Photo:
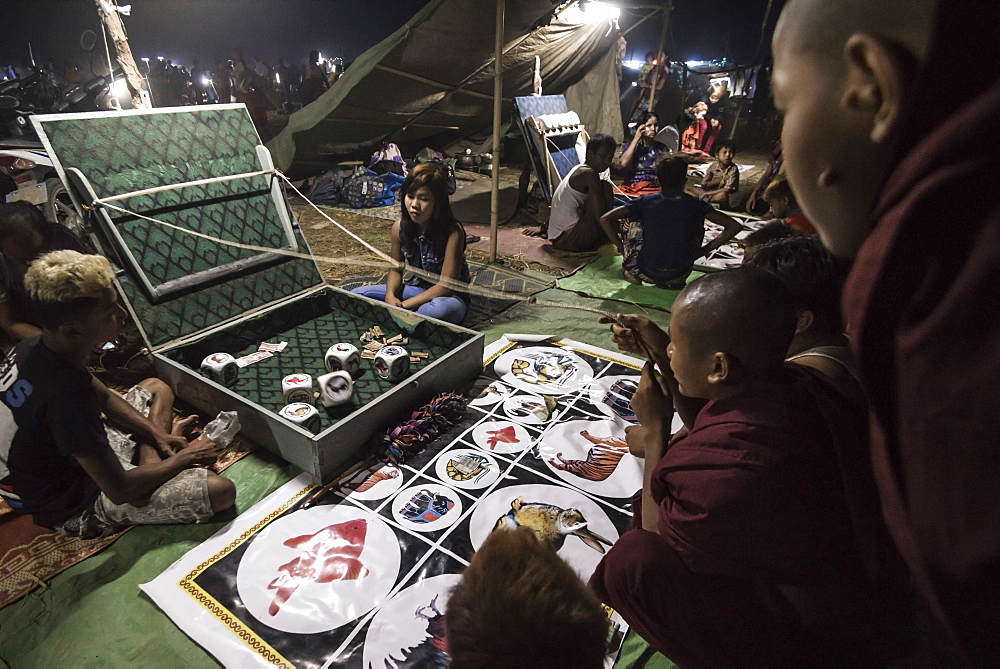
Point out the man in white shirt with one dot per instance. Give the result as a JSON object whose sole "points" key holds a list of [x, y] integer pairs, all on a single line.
{"points": [[580, 200]]}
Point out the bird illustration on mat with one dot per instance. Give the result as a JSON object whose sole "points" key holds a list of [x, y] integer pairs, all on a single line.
{"points": [[550, 523], [331, 554]]}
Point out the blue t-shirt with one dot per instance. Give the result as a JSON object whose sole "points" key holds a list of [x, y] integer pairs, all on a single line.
{"points": [[58, 415], [673, 229]]}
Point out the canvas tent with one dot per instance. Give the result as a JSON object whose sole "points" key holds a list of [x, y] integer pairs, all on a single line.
{"points": [[431, 82]]}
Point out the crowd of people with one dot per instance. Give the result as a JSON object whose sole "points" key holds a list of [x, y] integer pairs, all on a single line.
{"points": [[831, 498]]}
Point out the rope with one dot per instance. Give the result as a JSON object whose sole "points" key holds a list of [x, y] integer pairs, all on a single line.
{"points": [[386, 260]]}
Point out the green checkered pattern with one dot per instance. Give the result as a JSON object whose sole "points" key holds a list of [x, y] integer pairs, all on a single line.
{"points": [[310, 326], [123, 153]]}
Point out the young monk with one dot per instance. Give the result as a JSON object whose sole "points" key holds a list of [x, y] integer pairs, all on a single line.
{"points": [[68, 474], [885, 147], [809, 273], [520, 605], [757, 535]]}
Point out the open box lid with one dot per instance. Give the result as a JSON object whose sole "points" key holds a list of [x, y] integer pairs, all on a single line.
{"points": [[177, 284]]}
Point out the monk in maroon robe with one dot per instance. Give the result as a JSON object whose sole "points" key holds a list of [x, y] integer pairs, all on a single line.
{"points": [[758, 538], [889, 143]]}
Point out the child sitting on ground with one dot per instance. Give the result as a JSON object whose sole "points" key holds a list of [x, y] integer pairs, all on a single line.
{"points": [[781, 199], [71, 474], [667, 230], [520, 605], [723, 176], [757, 537], [428, 237]]}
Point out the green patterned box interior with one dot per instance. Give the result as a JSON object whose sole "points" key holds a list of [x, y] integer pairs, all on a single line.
{"points": [[311, 325], [121, 153]]}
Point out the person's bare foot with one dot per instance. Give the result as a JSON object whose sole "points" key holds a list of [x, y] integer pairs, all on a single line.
{"points": [[628, 276], [533, 232]]}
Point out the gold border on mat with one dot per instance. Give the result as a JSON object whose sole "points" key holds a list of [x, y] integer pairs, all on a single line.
{"points": [[222, 614]]}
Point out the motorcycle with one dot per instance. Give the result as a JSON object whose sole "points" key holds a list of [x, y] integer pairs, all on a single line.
{"points": [[26, 171]]}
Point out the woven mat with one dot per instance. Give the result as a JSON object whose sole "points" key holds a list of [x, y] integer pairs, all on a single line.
{"points": [[481, 309], [30, 555]]}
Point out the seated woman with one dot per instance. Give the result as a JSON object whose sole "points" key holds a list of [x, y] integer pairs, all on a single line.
{"points": [[429, 238], [638, 160]]}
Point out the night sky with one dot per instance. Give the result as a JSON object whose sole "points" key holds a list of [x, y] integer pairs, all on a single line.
{"points": [[288, 29]]}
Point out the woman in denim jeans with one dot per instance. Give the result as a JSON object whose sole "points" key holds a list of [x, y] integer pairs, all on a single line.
{"points": [[428, 237]]}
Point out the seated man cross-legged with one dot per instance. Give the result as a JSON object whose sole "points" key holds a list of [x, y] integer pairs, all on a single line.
{"points": [[757, 537], [73, 474], [580, 200]]}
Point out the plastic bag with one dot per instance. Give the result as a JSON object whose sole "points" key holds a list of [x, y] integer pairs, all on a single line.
{"points": [[222, 429], [367, 189], [327, 188]]}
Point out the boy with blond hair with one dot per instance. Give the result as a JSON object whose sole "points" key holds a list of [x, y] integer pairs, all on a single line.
{"points": [[71, 473]]}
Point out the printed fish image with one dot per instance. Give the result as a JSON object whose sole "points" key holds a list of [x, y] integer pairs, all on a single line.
{"points": [[369, 482], [602, 458], [426, 507], [507, 436], [550, 523], [331, 554]]}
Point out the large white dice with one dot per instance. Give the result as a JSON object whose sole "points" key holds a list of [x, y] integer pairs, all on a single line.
{"points": [[392, 362], [221, 368], [303, 414], [344, 357], [297, 388], [336, 388]]}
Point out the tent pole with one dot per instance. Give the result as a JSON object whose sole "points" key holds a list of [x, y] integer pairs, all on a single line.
{"points": [[497, 111], [115, 27], [668, 7]]}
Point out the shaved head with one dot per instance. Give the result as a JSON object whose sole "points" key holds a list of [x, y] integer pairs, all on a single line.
{"points": [[823, 26], [745, 313], [843, 74]]}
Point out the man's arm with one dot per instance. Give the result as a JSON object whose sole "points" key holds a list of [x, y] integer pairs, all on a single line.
{"points": [[610, 229], [654, 410], [128, 486], [732, 228]]}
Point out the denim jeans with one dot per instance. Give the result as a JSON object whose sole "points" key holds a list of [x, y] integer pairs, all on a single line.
{"points": [[450, 309]]}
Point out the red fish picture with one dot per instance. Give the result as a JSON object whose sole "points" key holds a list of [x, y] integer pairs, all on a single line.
{"points": [[331, 554], [506, 436]]}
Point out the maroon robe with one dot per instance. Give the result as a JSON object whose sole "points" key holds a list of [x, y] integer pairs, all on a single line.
{"points": [[922, 302], [763, 504]]}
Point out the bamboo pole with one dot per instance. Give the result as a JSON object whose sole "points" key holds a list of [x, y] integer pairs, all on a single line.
{"points": [[668, 7], [113, 23], [497, 111]]}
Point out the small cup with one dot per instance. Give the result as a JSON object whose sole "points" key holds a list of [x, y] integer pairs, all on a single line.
{"points": [[297, 388], [302, 414], [392, 362], [344, 357], [336, 388], [221, 368]]}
